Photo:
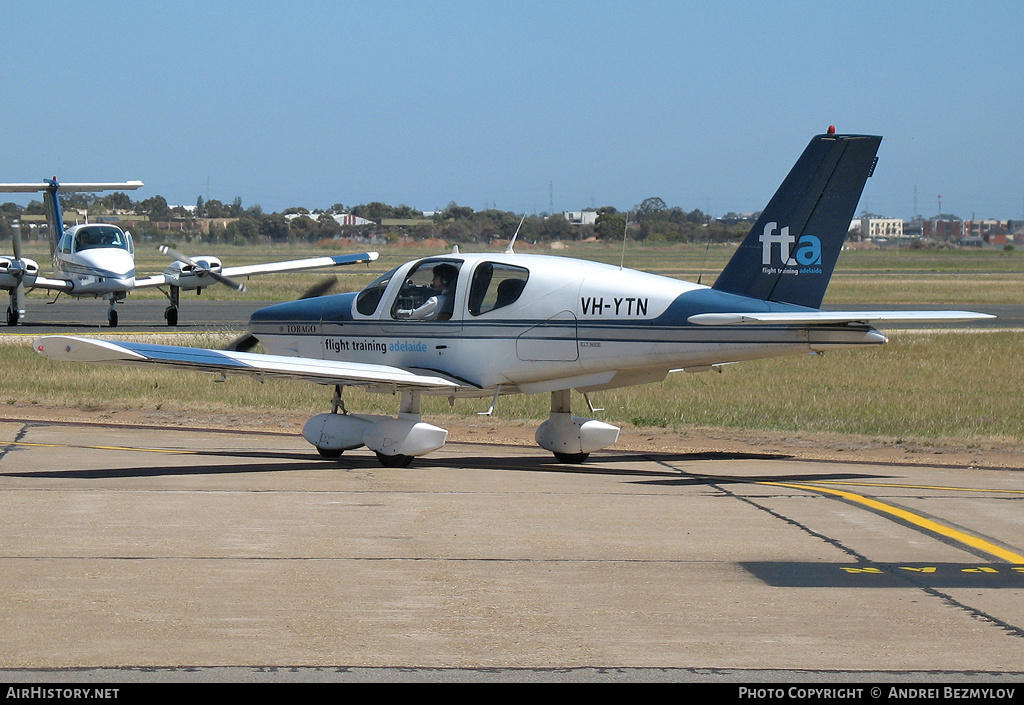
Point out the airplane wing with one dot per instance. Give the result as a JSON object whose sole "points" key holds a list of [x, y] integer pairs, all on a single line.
{"points": [[295, 265], [70, 348], [810, 318], [52, 284]]}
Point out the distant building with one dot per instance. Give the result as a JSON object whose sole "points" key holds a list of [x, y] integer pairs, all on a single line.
{"points": [[874, 228], [942, 229], [580, 217], [349, 219], [992, 232], [340, 218]]}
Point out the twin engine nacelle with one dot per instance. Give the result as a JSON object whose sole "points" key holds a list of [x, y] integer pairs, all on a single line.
{"points": [[193, 275], [14, 271], [402, 436]]}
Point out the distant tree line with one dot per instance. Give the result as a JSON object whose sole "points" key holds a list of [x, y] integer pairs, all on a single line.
{"points": [[212, 220]]}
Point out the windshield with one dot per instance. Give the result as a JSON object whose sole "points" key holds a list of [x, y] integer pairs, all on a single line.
{"points": [[93, 236], [366, 302]]}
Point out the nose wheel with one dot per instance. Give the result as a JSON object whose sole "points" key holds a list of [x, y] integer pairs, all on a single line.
{"points": [[112, 311], [171, 312], [14, 309]]}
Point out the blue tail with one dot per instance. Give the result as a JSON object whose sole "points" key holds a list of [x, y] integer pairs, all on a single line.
{"points": [[790, 253], [54, 214]]}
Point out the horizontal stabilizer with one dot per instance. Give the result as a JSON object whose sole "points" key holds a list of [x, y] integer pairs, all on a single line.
{"points": [[70, 348], [67, 188], [811, 318]]}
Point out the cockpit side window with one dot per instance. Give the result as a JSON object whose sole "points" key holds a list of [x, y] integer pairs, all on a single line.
{"points": [[368, 298], [428, 293], [496, 286]]}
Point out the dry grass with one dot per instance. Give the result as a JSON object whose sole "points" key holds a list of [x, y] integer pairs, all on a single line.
{"points": [[949, 385], [932, 385], [868, 276]]}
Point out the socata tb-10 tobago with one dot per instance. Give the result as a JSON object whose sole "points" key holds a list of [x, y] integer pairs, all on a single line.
{"points": [[482, 325]]}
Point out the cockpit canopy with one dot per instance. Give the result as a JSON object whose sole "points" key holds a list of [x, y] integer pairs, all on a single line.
{"points": [[88, 237], [492, 285]]}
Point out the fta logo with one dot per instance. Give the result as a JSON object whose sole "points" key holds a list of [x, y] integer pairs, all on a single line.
{"points": [[808, 247]]}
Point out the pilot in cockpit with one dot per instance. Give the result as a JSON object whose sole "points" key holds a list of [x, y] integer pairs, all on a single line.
{"points": [[438, 307]]}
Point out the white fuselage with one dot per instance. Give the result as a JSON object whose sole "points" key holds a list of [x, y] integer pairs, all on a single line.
{"points": [[575, 324], [97, 260]]}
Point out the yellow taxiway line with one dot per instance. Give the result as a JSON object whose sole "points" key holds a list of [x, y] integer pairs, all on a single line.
{"points": [[915, 519]]}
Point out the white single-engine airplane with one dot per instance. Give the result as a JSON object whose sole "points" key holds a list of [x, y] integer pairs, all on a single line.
{"points": [[508, 323], [97, 260]]}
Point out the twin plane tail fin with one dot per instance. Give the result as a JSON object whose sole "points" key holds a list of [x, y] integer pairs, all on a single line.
{"points": [[790, 253], [51, 198], [54, 214]]}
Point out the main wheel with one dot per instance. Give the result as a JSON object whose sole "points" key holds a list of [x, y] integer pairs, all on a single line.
{"points": [[394, 461], [171, 316], [329, 452], [12, 317], [571, 458]]}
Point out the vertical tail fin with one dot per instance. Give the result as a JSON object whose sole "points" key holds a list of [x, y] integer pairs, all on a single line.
{"points": [[51, 199], [54, 214], [790, 253]]}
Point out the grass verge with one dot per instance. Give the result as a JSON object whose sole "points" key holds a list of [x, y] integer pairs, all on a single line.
{"points": [[957, 386]]}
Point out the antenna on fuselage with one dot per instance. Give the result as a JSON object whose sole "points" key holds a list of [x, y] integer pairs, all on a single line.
{"points": [[508, 250], [625, 228], [707, 249]]}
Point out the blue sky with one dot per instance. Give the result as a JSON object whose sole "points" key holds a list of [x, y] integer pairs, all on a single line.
{"points": [[516, 105]]}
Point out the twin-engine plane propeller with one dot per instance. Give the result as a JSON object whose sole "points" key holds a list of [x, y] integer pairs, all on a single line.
{"points": [[484, 325], [97, 260]]}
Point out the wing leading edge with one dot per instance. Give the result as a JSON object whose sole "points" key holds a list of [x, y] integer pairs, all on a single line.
{"points": [[70, 348]]}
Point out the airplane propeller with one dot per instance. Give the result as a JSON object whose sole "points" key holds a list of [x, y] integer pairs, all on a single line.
{"points": [[321, 288], [201, 268], [18, 270], [248, 341]]}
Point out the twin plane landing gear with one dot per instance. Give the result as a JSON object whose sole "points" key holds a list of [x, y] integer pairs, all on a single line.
{"points": [[171, 312], [112, 312], [14, 310]]}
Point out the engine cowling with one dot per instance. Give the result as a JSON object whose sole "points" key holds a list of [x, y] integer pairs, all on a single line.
{"points": [[14, 272], [194, 276]]}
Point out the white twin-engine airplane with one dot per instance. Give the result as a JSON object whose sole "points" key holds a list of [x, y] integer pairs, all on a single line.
{"points": [[483, 325], [97, 260]]}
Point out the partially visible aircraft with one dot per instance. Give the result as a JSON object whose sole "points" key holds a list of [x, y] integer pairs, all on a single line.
{"points": [[97, 260], [518, 323]]}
